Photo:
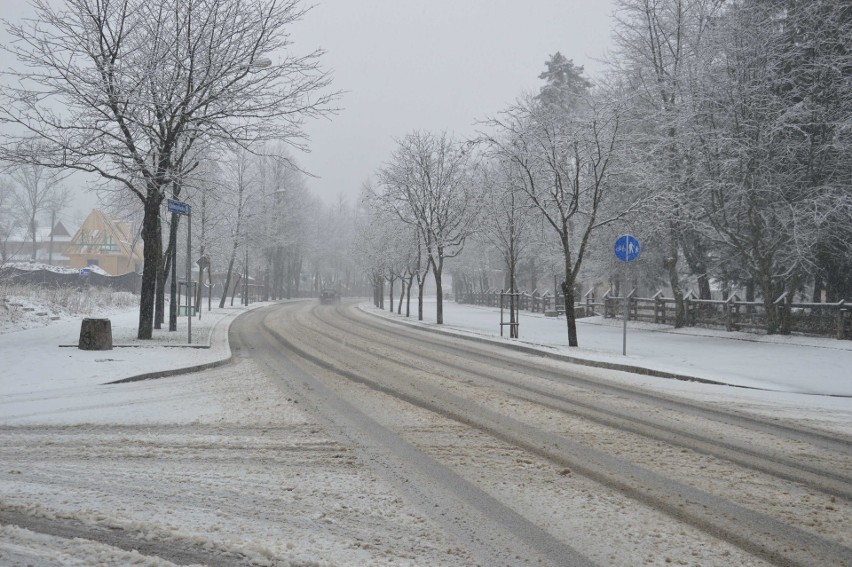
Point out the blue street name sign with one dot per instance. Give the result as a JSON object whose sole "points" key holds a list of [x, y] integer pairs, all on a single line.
{"points": [[627, 248], [178, 207]]}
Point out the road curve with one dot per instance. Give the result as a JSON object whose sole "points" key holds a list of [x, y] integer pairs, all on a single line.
{"points": [[530, 461]]}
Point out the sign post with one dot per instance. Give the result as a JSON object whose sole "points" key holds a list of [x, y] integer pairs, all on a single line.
{"points": [[627, 249], [184, 209]]}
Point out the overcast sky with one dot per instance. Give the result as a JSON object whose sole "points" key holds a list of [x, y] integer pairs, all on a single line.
{"points": [[432, 65], [424, 64]]}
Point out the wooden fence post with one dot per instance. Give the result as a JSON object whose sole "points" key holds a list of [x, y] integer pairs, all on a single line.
{"points": [[732, 311], [659, 308], [783, 313], [691, 315]]}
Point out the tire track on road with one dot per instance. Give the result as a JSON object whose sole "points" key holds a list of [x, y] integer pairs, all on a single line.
{"points": [[754, 532]]}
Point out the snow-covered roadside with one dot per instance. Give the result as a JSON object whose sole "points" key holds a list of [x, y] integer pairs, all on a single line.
{"points": [[39, 372], [24, 308], [208, 461], [795, 364], [775, 376], [236, 473], [24, 547]]}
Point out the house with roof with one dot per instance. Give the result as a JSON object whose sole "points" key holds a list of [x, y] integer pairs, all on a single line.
{"points": [[107, 243], [49, 245]]}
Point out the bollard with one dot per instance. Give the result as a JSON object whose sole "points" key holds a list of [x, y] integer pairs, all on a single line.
{"points": [[95, 334]]}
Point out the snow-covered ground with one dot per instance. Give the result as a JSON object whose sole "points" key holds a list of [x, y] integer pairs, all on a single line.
{"points": [[39, 359], [249, 476], [46, 379], [32, 266], [797, 364], [233, 459]]}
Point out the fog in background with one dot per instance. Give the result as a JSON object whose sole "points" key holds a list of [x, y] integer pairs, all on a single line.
{"points": [[406, 65], [441, 64]]}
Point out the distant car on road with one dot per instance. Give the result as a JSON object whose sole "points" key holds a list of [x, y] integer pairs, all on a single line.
{"points": [[329, 296]]}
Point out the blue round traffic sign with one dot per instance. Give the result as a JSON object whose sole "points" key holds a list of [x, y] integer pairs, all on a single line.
{"points": [[627, 248]]}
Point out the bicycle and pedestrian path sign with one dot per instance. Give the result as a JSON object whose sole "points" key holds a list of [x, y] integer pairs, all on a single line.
{"points": [[627, 248]]}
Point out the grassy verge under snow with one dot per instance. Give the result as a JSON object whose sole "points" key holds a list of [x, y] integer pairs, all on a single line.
{"points": [[27, 306]]}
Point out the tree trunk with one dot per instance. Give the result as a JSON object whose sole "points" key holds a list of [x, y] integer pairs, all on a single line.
{"points": [[513, 303], [160, 296], [390, 281], [420, 299], [437, 269], [768, 292], [291, 268], [408, 296], [209, 285], [171, 257], [401, 294], [570, 318], [200, 279], [533, 275], [787, 315], [439, 311], [674, 280], [33, 233], [165, 267], [297, 273], [696, 259], [227, 280], [152, 252], [173, 307], [374, 282], [818, 287], [236, 287]]}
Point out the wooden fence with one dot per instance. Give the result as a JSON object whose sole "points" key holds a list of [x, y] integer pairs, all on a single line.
{"points": [[733, 314], [546, 302], [130, 282]]}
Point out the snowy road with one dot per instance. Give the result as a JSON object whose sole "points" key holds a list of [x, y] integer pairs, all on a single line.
{"points": [[521, 446], [336, 438]]}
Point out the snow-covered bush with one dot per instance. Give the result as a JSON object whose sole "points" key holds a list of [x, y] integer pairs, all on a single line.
{"points": [[26, 306]]}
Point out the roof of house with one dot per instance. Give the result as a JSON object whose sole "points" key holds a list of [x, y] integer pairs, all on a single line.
{"points": [[43, 233], [102, 235], [59, 230]]}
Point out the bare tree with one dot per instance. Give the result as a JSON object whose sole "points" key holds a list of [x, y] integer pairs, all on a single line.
{"points": [[9, 217], [564, 157], [141, 82], [38, 191], [243, 200], [60, 201], [372, 232], [505, 220], [206, 185], [282, 217], [661, 49], [330, 234], [427, 185], [775, 178]]}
